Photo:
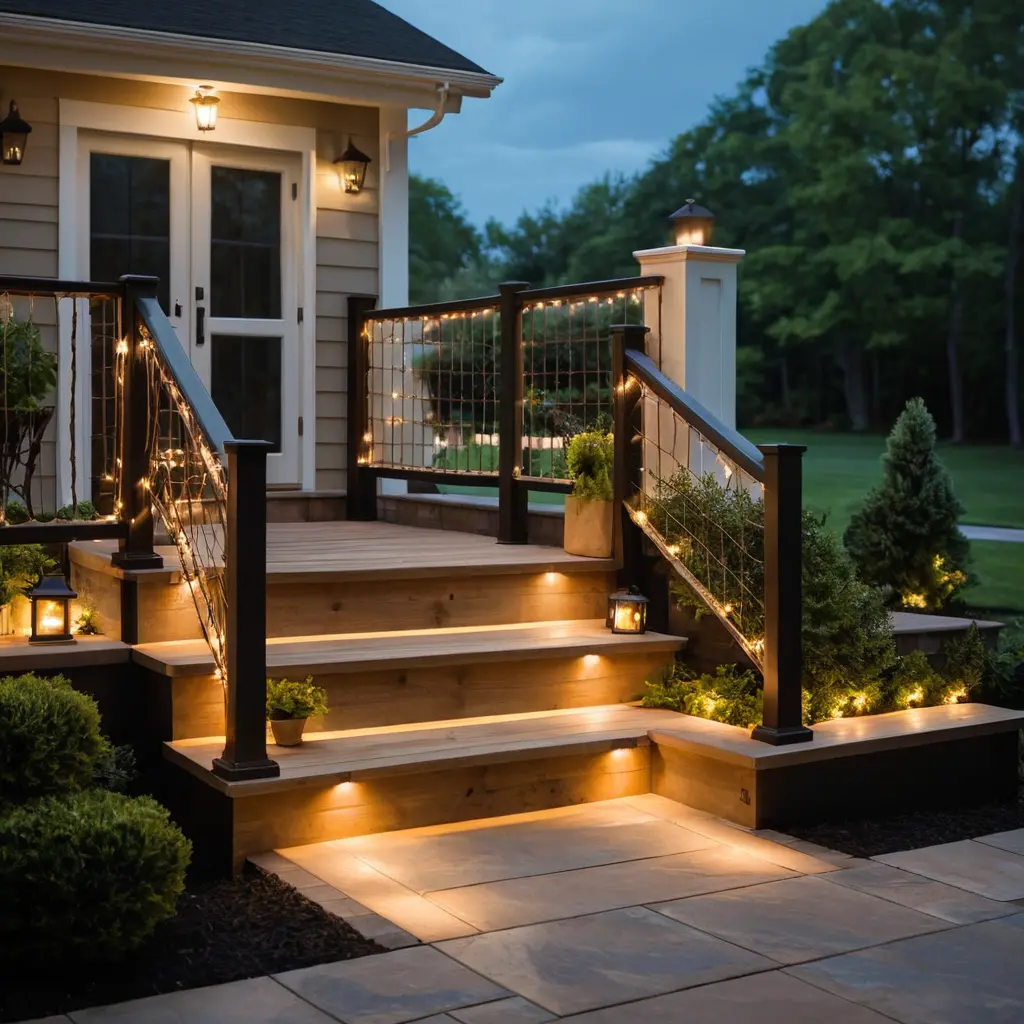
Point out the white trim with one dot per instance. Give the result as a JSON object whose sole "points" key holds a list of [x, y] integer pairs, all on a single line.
{"points": [[394, 209], [307, 329], [681, 253], [107, 49]]}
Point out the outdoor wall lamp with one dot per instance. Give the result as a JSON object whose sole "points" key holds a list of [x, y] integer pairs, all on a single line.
{"points": [[352, 166], [627, 611], [13, 137], [205, 104], [51, 611], [693, 224]]}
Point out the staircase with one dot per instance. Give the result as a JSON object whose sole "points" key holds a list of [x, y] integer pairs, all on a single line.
{"points": [[464, 678]]}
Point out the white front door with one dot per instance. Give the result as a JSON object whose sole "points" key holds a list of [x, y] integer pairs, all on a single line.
{"points": [[219, 226]]}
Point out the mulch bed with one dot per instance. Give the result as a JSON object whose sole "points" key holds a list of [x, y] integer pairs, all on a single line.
{"points": [[872, 837], [225, 930]]}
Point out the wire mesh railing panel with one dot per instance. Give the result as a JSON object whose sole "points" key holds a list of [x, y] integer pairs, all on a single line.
{"points": [[188, 485], [567, 362], [706, 515], [106, 331], [434, 391]]}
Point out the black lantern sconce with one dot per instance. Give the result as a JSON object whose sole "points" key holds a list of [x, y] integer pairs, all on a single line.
{"points": [[627, 612], [352, 166], [692, 224], [13, 137], [51, 611]]}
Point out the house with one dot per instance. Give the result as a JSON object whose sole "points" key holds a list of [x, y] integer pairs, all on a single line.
{"points": [[249, 224]]}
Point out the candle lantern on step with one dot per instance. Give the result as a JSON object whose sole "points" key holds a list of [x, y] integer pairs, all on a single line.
{"points": [[51, 611], [627, 611]]}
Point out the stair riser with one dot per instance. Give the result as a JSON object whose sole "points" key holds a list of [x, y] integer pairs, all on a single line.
{"points": [[395, 697]]}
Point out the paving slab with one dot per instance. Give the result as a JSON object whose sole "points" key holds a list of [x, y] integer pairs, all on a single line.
{"points": [[256, 1001], [920, 893], [769, 998], [968, 975], [1012, 841], [598, 960], [799, 919], [976, 867], [391, 988], [591, 890], [505, 1011], [475, 856]]}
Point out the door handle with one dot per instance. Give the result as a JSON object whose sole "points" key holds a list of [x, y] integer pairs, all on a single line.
{"points": [[200, 325]]}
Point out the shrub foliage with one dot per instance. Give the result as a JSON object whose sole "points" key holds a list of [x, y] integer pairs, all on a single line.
{"points": [[87, 875], [905, 537], [589, 461]]}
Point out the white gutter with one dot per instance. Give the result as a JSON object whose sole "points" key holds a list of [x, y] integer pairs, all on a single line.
{"points": [[140, 53], [431, 122]]}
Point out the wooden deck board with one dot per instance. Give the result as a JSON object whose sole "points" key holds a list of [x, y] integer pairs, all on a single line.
{"points": [[373, 753], [18, 655], [362, 652]]}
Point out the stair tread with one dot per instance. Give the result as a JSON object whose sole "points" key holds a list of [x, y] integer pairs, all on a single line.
{"points": [[357, 754], [399, 648]]}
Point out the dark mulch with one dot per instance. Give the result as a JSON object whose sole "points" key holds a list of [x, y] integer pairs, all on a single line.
{"points": [[871, 837], [224, 931]]}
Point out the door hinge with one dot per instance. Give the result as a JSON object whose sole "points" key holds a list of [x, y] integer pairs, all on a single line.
{"points": [[295, 190], [300, 426], [301, 314]]}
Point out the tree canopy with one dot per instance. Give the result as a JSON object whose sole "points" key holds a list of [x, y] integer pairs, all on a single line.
{"points": [[872, 167]]}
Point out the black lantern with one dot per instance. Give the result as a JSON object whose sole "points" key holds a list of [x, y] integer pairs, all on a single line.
{"points": [[627, 612], [13, 137], [693, 224], [352, 166], [51, 611]]}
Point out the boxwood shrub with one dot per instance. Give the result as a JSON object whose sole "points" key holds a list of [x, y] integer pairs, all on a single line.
{"points": [[50, 740], [88, 875]]}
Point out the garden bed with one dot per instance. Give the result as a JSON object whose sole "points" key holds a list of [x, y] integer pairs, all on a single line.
{"points": [[224, 930], [872, 837]]}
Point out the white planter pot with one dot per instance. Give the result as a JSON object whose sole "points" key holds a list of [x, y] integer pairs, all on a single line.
{"points": [[588, 527]]}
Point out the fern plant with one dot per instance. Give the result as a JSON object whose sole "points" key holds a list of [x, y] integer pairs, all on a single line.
{"points": [[289, 698], [589, 461]]}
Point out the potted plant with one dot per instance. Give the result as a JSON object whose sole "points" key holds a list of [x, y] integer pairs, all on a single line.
{"points": [[289, 704], [21, 568], [588, 510]]}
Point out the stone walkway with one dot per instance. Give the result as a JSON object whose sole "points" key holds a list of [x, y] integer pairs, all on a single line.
{"points": [[639, 911]]}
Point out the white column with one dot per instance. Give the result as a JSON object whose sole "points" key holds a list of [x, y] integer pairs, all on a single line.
{"points": [[693, 339]]}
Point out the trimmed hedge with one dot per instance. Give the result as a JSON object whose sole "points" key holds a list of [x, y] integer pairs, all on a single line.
{"points": [[50, 740], [87, 875]]}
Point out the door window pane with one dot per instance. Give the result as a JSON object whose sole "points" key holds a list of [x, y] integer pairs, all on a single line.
{"points": [[246, 386], [130, 219], [245, 243]]}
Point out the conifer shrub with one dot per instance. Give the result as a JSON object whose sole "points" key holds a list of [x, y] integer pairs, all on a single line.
{"points": [[905, 538]]}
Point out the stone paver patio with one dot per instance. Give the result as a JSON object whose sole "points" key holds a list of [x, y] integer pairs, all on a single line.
{"points": [[638, 910]]}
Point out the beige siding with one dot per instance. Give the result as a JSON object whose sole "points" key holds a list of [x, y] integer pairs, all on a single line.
{"points": [[347, 250]]}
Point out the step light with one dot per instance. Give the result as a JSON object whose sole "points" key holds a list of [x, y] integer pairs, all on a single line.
{"points": [[627, 612], [51, 611]]}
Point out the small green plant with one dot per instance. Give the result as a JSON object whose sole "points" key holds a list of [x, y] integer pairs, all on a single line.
{"points": [[28, 373], [905, 537], [88, 623], [21, 567], [50, 740], [589, 462], [288, 698], [83, 510], [731, 695], [87, 876]]}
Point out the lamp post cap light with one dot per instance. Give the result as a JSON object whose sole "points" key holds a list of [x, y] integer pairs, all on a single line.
{"points": [[692, 224]]}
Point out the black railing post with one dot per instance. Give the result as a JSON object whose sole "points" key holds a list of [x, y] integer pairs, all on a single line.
{"points": [[627, 474], [361, 484], [782, 720], [134, 506], [245, 640], [512, 495]]}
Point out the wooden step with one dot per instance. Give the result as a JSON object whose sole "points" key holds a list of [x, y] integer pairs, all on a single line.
{"points": [[357, 577], [401, 676], [339, 784]]}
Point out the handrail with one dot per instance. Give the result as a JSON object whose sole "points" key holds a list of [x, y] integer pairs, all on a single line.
{"points": [[24, 285], [180, 367], [434, 308], [569, 291], [730, 442]]}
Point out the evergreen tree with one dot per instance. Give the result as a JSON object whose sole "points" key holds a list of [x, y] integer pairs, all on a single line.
{"points": [[905, 537]]}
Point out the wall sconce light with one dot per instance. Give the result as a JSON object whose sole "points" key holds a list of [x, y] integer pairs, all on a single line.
{"points": [[627, 612], [692, 224], [205, 104], [352, 166], [13, 137], [51, 611]]}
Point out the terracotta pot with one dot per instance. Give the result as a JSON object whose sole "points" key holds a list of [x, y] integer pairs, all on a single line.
{"points": [[588, 527], [287, 731]]}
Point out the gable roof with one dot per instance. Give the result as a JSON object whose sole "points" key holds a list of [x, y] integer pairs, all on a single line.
{"points": [[359, 28]]}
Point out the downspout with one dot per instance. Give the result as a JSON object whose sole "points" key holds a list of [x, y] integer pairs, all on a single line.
{"points": [[432, 122]]}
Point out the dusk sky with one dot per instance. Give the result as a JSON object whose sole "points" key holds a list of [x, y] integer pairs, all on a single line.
{"points": [[590, 86]]}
